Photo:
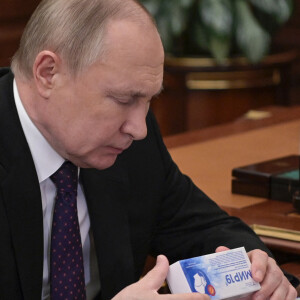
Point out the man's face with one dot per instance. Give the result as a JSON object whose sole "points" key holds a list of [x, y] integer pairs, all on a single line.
{"points": [[93, 118]]}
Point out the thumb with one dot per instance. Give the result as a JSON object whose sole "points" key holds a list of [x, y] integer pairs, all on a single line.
{"points": [[222, 248], [155, 278]]}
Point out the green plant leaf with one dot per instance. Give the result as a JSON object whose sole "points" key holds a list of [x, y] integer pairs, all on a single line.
{"points": [[215, 26], [217, 15], [152, 6], [251, 38], [177, 18], [219, 47], [280, 9], [185, 3], [200, 37]]}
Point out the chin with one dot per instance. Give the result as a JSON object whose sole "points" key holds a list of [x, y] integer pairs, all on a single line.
{"points": [[98, 163]]}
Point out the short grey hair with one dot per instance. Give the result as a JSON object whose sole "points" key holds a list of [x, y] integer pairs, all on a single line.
{"points": [[74, 29]]}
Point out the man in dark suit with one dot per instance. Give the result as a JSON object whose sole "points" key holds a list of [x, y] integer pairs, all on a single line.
{"points": [[79, 96]]}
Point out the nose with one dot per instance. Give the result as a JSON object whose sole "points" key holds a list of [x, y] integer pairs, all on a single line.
{"points": [[135, 125]]}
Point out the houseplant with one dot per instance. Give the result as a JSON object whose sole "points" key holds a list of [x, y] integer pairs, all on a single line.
{"points": [[220, 28]]}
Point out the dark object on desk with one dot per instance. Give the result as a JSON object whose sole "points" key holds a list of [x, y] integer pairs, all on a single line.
{"points": [[276, 179], [296, 200]]}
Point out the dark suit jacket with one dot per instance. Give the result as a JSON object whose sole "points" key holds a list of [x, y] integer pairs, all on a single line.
{"points": [[141, 205]]}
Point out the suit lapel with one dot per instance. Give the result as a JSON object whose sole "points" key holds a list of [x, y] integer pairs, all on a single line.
{"points": [[24, 210], [107, 192], [21, 196]]}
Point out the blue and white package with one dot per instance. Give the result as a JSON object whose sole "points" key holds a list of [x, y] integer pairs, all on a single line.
{"points": [[222, 275]]}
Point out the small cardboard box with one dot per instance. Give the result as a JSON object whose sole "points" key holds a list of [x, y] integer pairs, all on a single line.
{"points": [[222, 275]]}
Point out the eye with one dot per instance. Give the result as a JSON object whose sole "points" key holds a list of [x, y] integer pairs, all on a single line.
{"points": [[121, 100]]}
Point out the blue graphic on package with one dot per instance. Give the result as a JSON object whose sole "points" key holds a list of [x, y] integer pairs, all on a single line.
{"points": [[197, 278]]}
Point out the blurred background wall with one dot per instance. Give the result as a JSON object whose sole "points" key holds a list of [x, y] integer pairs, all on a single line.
{"points": [[289, 38], [14, 14]]}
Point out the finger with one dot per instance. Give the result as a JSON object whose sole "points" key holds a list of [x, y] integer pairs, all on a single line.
{"points": [[190, 296], [273, 280], [222, 248], [155, 278], [281, 291], [284, 291], [259, 263], [292, 293]]}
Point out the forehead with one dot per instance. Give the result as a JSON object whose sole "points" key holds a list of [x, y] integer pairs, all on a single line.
{"points": [[139, 43], [132, 62]]}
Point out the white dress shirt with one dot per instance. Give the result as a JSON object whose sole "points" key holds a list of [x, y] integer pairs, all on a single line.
{"points": [[47, 161]]}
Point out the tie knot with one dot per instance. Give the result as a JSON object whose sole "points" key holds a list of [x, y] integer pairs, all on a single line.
{"points": [[66, 178]]}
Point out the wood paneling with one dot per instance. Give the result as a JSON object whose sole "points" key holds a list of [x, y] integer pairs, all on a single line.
{"points": [[288, 37], [198, 93], [14, 14]]}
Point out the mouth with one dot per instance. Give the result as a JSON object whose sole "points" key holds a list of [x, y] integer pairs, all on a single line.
{"points": [[114, 150], [117, 150]]}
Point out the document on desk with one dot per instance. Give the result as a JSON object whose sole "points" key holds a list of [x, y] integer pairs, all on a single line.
{"points": [[275, 232]]}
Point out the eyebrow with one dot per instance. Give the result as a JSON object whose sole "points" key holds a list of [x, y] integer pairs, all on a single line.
{"points": [[135, 94]]}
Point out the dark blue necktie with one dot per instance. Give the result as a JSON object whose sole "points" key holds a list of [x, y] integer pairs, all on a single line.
{"points": [[66, 259]]}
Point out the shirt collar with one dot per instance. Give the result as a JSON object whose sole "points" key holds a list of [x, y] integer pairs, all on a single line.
{"points": [[45, 158]]}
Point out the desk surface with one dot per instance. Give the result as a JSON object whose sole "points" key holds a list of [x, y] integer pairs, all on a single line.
{"points": [[209, 164], [278, 115]]}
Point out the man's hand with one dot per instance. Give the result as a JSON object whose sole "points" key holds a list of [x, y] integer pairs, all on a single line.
{"points": [[146, 288], [274, 285]]}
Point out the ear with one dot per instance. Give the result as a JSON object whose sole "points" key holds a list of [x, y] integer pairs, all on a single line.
{"points": [[45, 68]]}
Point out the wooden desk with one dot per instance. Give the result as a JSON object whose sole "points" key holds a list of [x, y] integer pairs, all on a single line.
{"points": [[277, 115], [208, 159]]}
